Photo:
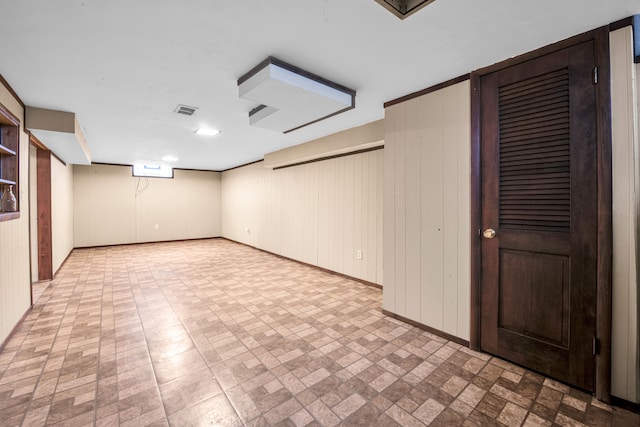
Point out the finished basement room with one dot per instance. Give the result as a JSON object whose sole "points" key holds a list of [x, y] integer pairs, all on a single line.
{"points": [[319, 213]]}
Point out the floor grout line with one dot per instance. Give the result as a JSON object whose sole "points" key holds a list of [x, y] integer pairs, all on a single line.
{"points": [[275, 341]]}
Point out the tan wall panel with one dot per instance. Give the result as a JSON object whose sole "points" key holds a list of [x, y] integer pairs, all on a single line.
{"points": [[394, 131], [15, 280], [624, 369], [313, 213], [350, 140], [61, 212], [426, 209], [113, 207]]}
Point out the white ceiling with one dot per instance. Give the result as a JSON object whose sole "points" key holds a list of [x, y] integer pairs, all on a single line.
{"points": [[123, 65]]}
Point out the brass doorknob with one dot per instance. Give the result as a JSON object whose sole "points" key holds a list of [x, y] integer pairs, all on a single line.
{"points": [[489, 233]]}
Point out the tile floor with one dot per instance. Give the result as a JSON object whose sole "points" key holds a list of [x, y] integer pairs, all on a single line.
{"points": [[214, 333]]}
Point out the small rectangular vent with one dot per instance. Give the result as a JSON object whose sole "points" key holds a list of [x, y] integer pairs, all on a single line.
{"points": [[185, 109]]}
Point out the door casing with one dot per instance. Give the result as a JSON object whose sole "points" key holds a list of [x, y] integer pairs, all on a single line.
{"points": [[604, 198]]}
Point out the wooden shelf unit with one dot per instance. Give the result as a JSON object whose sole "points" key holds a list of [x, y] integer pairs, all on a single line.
{"points": [[6, 151], [9, 157]]}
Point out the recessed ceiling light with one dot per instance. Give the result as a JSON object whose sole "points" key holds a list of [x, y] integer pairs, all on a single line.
{"points": [[207, 131], [169, 158]]}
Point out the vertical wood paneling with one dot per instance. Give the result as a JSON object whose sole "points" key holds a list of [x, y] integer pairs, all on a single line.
{"points": [[360, 221], [103, 191], [451, 176], [400, 219], [324, 217], [431, 164], [462, 126], [15, 281], [112, 207], [394, 129], [413, 225], [314, 213], [426, 208], [378, 206], [624, 110], [341, 190], [61, 212]]}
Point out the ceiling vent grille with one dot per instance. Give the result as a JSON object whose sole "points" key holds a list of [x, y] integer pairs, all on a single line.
{"points": [[403, 8], [185, 109]]}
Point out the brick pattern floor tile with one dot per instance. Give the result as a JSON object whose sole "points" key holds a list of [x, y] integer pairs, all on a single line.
{"points": [[210, 332]]}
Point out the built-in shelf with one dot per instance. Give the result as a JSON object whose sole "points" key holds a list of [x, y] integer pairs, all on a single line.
{"points": [[9, 163], [7, 150]]}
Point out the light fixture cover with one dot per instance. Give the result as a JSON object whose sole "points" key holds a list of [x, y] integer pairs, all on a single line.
{"points": [[207, 131], [290, 98], [404, 8]]}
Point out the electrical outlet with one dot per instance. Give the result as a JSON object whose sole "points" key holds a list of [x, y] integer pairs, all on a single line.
{"points": [[359, 254], [157, 226]]}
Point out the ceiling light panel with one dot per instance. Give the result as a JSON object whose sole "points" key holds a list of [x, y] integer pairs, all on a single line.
{"points": [[291, 98], [207, 131]]}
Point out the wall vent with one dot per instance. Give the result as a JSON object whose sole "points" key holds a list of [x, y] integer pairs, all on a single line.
{"points": [[185, 109], [403, 8]]}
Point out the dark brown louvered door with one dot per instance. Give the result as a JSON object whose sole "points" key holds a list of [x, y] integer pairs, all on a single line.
{"points": [[539, 194]]}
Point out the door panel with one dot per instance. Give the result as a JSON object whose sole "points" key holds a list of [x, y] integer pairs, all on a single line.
{"points": [[534, 295], [539, 194]]}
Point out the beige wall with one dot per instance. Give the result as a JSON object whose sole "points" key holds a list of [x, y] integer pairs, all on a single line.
{"points": [[426, 209], [625, 121], [358, 138], [427, 212], [113, 207], [61, 212], [15, 281], [320, 213]]}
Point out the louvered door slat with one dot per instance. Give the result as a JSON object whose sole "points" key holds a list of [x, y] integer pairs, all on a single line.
{"points": [[537, 108], [535, 183], [534, 81], [539, 143]]}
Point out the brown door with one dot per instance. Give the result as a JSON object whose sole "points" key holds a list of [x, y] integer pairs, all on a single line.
{"points": [[539, 195]]}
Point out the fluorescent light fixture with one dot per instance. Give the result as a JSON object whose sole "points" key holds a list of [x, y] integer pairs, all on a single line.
{"points": [[207, 131], [290, 98], [152, 170], [169, 158]]}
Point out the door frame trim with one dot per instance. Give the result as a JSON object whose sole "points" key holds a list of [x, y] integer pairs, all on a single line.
{"points": [[600, 37], [45, 244]]}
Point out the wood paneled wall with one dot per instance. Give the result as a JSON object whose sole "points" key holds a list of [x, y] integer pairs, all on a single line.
{"points": [[427, 209], [15, 282], [320, 213], [113, 207], [625, 373], [61, 212]]}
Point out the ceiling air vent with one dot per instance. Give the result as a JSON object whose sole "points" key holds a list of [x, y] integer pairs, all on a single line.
{"points": [[403, 8], [185, 109]]}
